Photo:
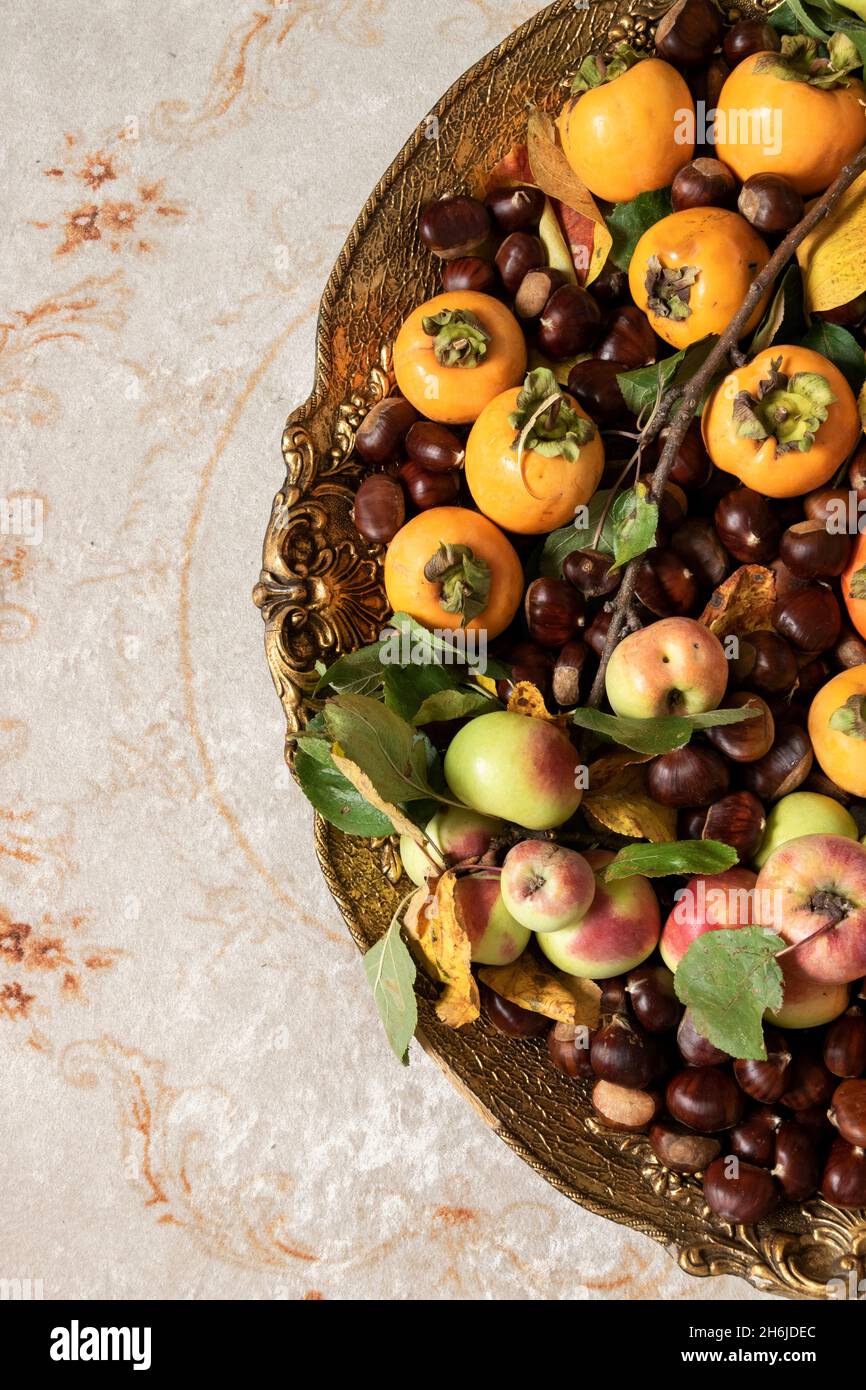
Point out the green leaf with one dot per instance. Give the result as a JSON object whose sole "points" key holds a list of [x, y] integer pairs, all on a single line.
{"points": [[841, 348], [358, 672], [562, 543], [660, 735], [641, 387], [627, 222], [385, 747], [391, 972], [328, 791], [416, 644], [676, 857], [407, 687], [793, 17], [785, 320], [635, 523], [454, 704], [728, 979]]}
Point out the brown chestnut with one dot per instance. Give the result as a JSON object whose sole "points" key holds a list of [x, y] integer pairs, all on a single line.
{"points": [[681, 1149], [810, 551], [665, 584], [845, 1045], [529, 662], [750, 36], [688, 33], [380, 435], [705, 1098], [737, 820], [435, 447], [517, 256], [569, 1050], [468, 273], [809, 1083], [554, 612], [739, 1192], [535, 290], [826, 502], [786, 582], [766, 1081], [653, 999], [516, 209], [510, 1018], [746, 742], [847, 315], [594, 385], [797, 1168], [754, 1138], [623, 1053], [850, 650], [614, 997], [691, 467], [747, 527], [596, 634], [848, 1111], [610, 286], [698, 545], [570, 323], [380, 509], [623, 1108], [771, 203], [689, 776], [569, 674], [427, 489], [673, 503], [694, 1048], [591, 572], [844, 1180], [766, 662], [628, 339], [453, 227], [784, 768], [704, 183], [809, 619]]}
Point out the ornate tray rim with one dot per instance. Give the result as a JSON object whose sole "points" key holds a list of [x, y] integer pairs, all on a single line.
{"points": [[773, 1260]]}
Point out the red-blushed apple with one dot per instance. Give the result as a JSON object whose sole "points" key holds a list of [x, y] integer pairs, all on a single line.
{"points": [[815, 887], [708, 902], [807, 1003], [676, 666], [618, 932], [546, 886], [520, 769], [459, 834], [497, 938], [804, 813]]}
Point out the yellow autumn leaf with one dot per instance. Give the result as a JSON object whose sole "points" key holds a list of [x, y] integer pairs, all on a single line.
{"points": [[533, 984], [555, 177], [527, 699], [435, 926], [744, 603], [617, 800], [831, 258], [554, 243]]}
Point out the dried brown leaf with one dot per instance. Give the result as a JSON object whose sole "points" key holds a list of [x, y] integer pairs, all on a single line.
{"points": [[534, 984], [617, 800], [434, 926], [555, 176], [744, 603]]}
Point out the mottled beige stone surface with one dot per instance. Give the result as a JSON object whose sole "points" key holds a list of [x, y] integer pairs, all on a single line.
{"points": [[195, 1096]]}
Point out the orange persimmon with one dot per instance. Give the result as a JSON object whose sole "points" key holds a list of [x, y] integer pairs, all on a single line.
{"points": [[449, 567], [854, 585], [837, 728], [533, 486], [782, 423], [691, 271], [628, 129], [455, 353], [767, 123]]}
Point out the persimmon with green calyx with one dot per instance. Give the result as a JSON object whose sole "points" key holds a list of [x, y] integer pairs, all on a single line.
{"points": [[455, 353], [853, 583], [515, 767], [450, 568], [793, 113], [533, 456], [837, 728], [691, 271], [782, 423], [629, 125]]}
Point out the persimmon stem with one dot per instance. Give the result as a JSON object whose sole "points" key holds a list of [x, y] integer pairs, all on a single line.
{"points": [[679, 413]]}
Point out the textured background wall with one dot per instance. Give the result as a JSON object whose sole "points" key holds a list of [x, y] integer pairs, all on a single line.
{"points": [[195, 1098]]}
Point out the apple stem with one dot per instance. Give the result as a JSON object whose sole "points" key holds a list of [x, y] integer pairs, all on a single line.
{"points": [[680, 405]]}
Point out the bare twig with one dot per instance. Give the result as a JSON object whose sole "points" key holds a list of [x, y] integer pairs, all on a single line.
{"points": [[679, 412]]}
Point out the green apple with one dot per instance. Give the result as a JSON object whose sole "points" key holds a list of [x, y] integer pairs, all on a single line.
{"points": [[804, 813], [521, 769], [458, 832], [546, 886]]}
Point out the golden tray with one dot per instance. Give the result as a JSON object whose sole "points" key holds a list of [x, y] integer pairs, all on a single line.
{"points": [[320, 594]]}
